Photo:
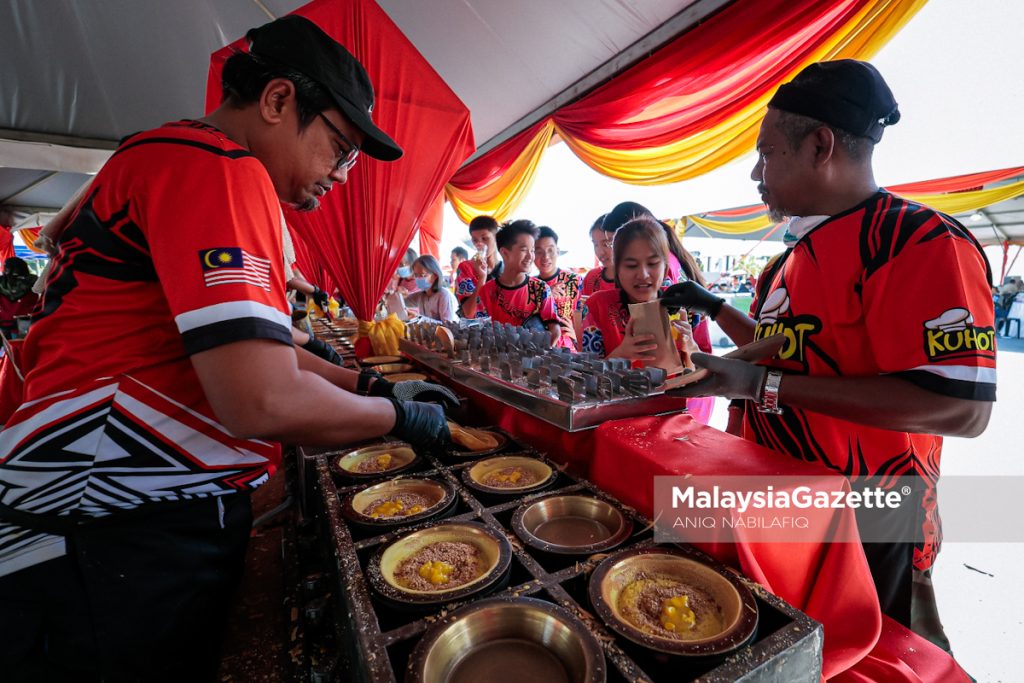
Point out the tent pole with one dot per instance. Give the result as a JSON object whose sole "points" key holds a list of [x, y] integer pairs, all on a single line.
{"points": [[763, 238], [1010, 267]]}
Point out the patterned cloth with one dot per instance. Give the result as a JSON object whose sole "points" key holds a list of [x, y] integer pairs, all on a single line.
{"points": [[176, 249], [888, 287], [565, 288], [465, 282], [594, 281], [514, 305]]}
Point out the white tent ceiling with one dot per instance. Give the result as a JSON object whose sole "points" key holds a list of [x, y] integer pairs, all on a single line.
{"points": [[78, 75]]}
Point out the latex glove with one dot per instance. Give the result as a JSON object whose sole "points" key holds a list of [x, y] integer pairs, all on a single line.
{"points": [[729, 378], [415, 390], [323, 350], [421, 425], [635, 346], [320, 298], [692, 297]]}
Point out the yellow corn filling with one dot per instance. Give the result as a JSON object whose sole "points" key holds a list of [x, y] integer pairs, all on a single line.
{"points": [[507, 477], [392, 508], [436, 572], [676, 614]]}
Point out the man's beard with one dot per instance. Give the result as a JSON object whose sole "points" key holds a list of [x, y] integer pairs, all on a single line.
{"points": [[776, 215], [311, 204]]}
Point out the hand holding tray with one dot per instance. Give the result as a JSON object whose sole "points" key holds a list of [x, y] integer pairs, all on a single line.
{"points": [[755, 350]]}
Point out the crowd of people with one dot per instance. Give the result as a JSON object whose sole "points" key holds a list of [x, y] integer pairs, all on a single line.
{"points": [[104, 575]]}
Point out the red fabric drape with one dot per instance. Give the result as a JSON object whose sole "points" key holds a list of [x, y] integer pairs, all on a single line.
{"points": [[6, 244], [496, 162], [691, 106], [309, 262], [958, 183], [362, 230], [431, 227], [715, 75]]}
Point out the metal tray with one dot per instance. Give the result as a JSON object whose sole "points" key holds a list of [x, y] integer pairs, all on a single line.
{"points": [[375, 641], [572, 417]]}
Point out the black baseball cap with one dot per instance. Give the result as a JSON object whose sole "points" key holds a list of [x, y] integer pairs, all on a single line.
{"points": [[299, 44], [845, 93]]}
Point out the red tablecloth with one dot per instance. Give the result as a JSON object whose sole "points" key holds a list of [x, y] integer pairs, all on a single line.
{"points": [[828, 581]]}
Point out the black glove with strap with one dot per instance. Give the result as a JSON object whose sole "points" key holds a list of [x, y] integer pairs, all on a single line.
{"points": [[415, 390], [321, 299], [729, 377], [323, 350], [421, 425], [693, 298]]}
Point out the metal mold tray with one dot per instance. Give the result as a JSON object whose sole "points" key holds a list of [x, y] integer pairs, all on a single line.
{"points": [[543, 404], [375, 640]]}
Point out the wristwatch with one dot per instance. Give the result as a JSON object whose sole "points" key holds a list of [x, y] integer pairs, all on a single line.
{"points": [[770, 394]]}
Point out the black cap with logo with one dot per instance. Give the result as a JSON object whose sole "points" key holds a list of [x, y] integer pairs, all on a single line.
{"points": [[298, 43], [845, 93]]}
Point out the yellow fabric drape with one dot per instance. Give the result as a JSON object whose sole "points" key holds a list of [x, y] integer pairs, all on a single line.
{"points": [[500, 198], [383, 335], [29, 236], [690, 157], [743, 227], [962, 202], [870, 29], [946, 202]]}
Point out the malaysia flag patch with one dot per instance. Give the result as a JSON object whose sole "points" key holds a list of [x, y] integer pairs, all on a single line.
{"points": [[234, 265]]}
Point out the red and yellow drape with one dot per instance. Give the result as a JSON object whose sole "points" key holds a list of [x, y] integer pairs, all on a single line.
{"points": [[953, 195], [358, 237], [692, 106]]}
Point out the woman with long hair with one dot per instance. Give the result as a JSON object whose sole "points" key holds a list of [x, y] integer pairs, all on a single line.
{"points": [[641, 258]]}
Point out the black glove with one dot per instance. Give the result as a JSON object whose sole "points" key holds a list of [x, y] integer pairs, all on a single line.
{"points": [[321, 299], [729, 378], [421, 425], [323, 350], [415, 390], [366, 377], [693, 298]]}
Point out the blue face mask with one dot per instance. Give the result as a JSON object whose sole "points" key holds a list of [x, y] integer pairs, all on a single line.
{"points": [[404, 271], [423, 283]]}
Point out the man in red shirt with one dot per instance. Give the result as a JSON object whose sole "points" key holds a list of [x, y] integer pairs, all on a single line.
{"points": [[483, 267], [161, 370], [565, 285], [515, 296], [882, 356]]}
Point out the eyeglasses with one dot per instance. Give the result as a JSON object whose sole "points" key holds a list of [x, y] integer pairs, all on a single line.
{"points": [[349, 158]]}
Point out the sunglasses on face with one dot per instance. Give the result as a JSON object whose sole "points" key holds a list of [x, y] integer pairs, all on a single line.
{"points": [[348, 158]]}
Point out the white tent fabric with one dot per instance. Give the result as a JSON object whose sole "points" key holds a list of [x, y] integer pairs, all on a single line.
{"points": [[78, 75]]}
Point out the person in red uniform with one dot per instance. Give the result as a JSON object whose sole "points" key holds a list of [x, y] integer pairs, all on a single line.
{"points": [[681, 266], [565, 285], [883, 356], [602, 277], [161, 372], [515, 296], [641, 259], [483, 267], [16, 295]]}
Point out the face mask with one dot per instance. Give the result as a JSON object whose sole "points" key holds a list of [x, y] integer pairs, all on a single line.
{"points": [[423, 282], [404, 271]]}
